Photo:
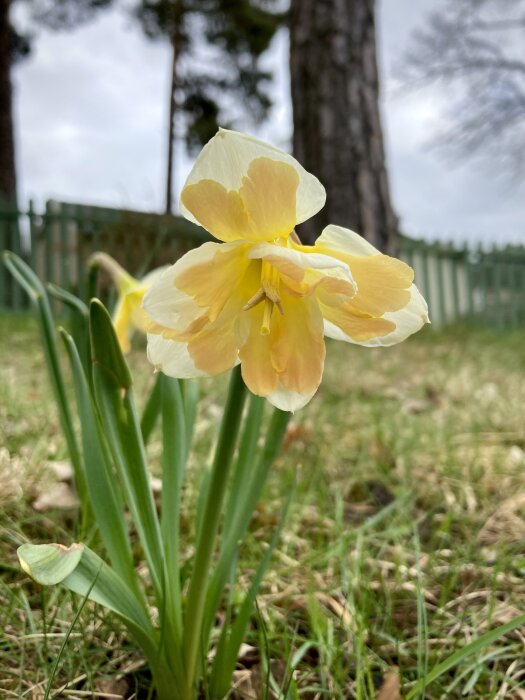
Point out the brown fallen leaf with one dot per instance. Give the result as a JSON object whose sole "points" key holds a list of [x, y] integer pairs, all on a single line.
{"points": [[58, 496], [63, 471], [114, 688], [391, 688]]}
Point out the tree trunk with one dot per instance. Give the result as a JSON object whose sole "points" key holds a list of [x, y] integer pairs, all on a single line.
{"points": [[7, 147], [171, 129], [337, 125]]}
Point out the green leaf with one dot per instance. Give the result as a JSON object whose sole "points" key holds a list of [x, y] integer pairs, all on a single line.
{"points": [[68, 299], [190, 394], [49, 564], [239, 524], [457, 657], [194, 623], [107, 355], [152, 409], [173, 465], [105, 497], [82, 571], [114, 399], [232, 635], [245, 461], [37, 293]]}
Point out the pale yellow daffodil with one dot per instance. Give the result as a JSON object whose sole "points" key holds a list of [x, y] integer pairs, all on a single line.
{"points": [[260, 297], [129, 315]]}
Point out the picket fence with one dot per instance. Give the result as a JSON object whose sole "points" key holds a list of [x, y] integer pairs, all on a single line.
{"points": [[460, 283]]}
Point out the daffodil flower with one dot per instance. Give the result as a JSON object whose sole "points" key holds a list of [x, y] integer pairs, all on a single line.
{"points": [[261, 298], [129, 315]]}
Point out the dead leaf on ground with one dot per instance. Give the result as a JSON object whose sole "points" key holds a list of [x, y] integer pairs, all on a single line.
{"points": [[391, 688], [63, 471], [296, 432], [115, 688], [58, 496]]}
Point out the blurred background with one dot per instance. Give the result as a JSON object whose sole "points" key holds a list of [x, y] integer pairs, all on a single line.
{"points": [[412, 116]]}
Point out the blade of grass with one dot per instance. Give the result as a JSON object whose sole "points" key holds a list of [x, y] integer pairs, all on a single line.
{"points": [[461, 654], [65, 641]]}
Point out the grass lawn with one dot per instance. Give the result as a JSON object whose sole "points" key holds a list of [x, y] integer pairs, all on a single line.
{"points": [[405, 540]]}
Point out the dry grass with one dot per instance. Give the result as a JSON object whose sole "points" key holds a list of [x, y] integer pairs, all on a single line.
{"points": [[405, 540]]}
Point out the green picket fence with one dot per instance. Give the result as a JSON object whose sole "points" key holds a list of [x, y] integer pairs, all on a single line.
{"points": [[484, 286], [459, 283]]}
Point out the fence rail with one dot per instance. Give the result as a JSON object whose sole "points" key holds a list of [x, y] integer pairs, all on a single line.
{"points": [[459, 283]]}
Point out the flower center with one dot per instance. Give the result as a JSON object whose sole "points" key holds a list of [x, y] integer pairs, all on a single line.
{"points": [[268, 293]]}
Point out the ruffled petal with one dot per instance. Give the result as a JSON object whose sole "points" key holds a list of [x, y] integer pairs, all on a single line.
{"points": [[293, 261], [226, 159], [390, 329], [122, 324], [298, 349], [382, 282], [258, 372], [171, 306], [286, 365], [171, 358], [213, 282], [338, 238], [268, 192], [218, 210], [214, 349]]}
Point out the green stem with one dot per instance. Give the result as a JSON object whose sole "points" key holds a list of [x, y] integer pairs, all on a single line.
{"points": [[210, 523]]}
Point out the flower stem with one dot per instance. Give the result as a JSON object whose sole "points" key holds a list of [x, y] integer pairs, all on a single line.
{"points": [[210, 523]]}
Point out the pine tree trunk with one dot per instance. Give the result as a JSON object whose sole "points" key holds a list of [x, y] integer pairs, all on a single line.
{"points": [[171, 130], [7, 147], [337, 125]]}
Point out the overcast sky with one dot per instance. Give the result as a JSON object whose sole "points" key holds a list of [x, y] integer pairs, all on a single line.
{"points": [[91, 113]]}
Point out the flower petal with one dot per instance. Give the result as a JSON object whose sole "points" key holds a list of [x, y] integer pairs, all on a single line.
{"points": [[286, 365], [122, 324], [213, 282], [390, 329], [255, 354], [345, 241], [175, 308], [383, 282], [218, 210], [226, 159], [268, 192], [172, 358], [214, 349], [289, 400], [293, 262], [298, 349]]}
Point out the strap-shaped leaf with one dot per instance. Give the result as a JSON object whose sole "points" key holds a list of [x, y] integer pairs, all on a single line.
{"points": [[82, 571], [49, 564], [37, 293], [114, 398], [239, 523], [232, 635], [151, 410], [105, 498]]}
